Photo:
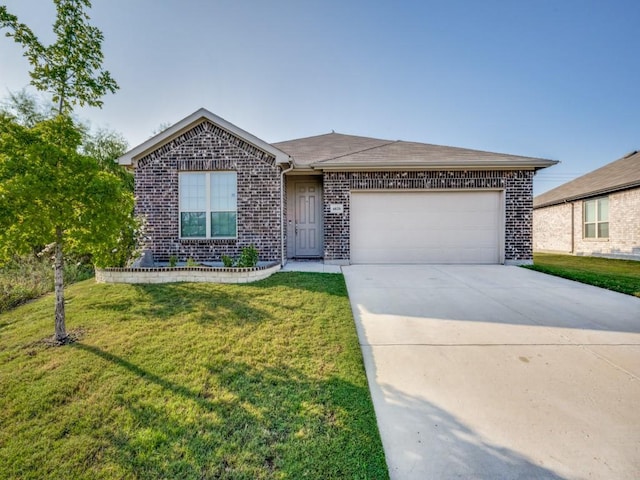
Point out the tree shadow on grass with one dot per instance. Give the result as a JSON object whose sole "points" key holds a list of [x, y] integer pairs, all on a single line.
{"points": [[209, 303], [204, 302], [248, 422], [244, 421], [239, 304]]}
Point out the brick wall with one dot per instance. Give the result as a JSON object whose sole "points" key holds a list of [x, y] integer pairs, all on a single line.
{"points": [[554, 223], [624, 223], [518, 187], [207, 147], [336, 188], [552, 229]]}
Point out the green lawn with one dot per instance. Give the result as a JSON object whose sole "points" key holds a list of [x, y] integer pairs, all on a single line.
{"points": [[619, 275], [198, 381]]}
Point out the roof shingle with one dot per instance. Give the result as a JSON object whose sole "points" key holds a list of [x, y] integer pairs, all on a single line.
{"points": [[335, 150], [618, 175]]}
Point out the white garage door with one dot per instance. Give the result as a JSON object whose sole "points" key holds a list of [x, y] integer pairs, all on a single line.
{"points": [[426, 227]]}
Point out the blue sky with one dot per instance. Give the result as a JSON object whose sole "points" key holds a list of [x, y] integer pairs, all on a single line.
{"points": [[556, 79]]}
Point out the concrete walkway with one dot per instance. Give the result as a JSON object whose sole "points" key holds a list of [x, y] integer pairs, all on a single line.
{"points": [[315, 266], [499, 372]]}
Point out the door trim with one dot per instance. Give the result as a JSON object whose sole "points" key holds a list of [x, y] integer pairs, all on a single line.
{"points": [[292, 215]]}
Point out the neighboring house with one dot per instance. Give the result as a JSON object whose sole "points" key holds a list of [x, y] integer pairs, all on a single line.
{"points": [[596, 214], [208, 188]]}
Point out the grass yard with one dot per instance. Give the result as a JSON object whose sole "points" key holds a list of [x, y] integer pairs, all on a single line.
{"points": [[619, 275], [202, 381]]}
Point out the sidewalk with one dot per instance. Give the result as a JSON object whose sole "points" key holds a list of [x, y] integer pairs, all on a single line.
{"points": [[315, 266]]}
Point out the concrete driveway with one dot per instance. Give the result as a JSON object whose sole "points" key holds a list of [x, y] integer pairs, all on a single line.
{"points": [[499, 372]]}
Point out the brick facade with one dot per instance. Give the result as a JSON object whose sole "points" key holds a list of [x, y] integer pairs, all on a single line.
{"points": [[553, 228], [206, 147], [517, 185]]}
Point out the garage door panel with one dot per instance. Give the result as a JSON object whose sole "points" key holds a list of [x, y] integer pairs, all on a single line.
{"points": [[425, 227]]}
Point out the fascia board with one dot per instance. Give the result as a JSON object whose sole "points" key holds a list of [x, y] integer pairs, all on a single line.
{"points": [[434, 166]]}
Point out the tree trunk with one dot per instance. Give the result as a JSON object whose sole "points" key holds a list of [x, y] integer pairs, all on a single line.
{"points": [[61, 330]]}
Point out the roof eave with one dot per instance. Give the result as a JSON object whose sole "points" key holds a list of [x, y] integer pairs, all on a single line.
{"points": [[433, 166], [189, 122], [584, 196]]}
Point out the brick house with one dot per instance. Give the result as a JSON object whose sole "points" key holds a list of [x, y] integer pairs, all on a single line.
{"points": [[208, 188], [596, 214]]}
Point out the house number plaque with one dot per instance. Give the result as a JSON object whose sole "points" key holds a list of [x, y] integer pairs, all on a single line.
{"points": [[336, 208]]}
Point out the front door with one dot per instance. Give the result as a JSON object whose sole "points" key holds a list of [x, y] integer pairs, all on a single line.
{"points": [[308, 217]]}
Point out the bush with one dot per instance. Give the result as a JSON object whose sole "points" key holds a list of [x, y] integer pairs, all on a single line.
{"points": [[248, 257], [227, 261], [77, 269], [191, 262], [26, 277]]}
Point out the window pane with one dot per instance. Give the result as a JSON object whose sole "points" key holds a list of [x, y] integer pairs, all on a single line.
{"points": [[193, 224], [223, 224], [192, 192], [590, 211], [590, 230], [603, 210], [223, 192], [603, 230]]}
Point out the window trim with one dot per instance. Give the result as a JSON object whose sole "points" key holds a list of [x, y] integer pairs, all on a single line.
{"points": [[208, 210], [596, 223]]}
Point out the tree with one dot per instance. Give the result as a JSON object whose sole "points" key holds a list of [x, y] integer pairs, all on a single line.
{"points": [[106, 146], [49, 192], [26, 109], [71, 68]]}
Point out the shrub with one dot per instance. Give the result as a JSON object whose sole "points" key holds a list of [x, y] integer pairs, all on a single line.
{"points": [[77, 269], [173, 261], [191, 262], [248, 257], [227, 261]]}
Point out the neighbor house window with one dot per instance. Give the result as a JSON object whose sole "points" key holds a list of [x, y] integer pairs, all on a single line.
{"points": [[208, 205], [596, 218]]}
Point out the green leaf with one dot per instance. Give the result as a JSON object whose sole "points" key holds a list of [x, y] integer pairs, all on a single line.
{"points": [[70, 69]]}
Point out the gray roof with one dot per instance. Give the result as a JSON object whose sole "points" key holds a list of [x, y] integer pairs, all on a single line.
{"points": [[619, 175], [338, 151]]}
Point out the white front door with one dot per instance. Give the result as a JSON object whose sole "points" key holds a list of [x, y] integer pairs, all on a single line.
{"points": [[308, 219]]}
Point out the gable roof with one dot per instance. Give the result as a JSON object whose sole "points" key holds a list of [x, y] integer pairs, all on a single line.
{"points": [[335, 151], [190, 122], [618, 175]]}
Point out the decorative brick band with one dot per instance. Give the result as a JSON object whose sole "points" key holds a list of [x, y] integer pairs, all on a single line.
{"points": [[186, 274], [207, 165], [426, 180], [209, 241]]}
